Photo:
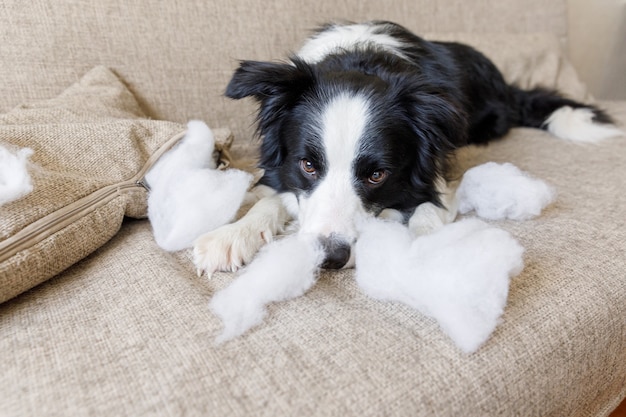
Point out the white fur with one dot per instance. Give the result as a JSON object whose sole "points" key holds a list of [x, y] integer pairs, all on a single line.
{"points": [[334, 206], [503, 191], [290, 201], [347, 38], [428, 217], [391, 215], [284, 269], [458, 275], [188, 196], [577, 125], [15, 180], [234, 245]]}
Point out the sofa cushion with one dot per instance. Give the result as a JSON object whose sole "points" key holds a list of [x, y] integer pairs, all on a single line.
{"points": [[91, 146], [128, 331]]}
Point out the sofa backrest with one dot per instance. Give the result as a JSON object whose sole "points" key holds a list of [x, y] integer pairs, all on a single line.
{"points": [[177, 57]]}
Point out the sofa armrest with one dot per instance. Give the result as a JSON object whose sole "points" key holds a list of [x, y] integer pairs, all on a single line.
{"points": [[597, 30]]}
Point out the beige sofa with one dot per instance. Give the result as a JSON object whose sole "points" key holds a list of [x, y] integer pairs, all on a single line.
{"points": [[125, 329]]}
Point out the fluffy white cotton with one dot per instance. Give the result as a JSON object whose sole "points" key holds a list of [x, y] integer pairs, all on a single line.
{"points": [[282, 270], [577, 125], [502, 191], [14, 178], [458, 275], [188, 196]]}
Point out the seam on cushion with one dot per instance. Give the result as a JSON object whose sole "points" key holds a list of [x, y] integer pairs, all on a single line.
{"points": [[54, 222], [39, 262]]}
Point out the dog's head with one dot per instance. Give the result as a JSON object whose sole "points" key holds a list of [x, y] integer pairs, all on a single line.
{"points": [[350, 137]]}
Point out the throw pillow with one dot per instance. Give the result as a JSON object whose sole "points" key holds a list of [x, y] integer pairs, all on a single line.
{"points": [[91, 147]]}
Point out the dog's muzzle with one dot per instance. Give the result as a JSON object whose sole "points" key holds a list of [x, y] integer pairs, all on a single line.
{"points": [[336, 252]]}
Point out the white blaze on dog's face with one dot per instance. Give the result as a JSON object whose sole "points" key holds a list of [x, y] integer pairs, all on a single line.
{"points": [[342, 145], [344, 156], [332, 208]]}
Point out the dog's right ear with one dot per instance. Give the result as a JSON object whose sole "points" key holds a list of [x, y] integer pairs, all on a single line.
{"points": [[266, 80]]}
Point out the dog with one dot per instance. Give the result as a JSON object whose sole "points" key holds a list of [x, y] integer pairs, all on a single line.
{"points": [[362, 122]]}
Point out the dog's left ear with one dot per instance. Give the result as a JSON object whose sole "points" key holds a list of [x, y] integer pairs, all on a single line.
{"points": [[276, 86], [265, 80]]}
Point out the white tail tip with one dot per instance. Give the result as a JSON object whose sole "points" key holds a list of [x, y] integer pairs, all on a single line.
{"points": [[577, 125]]}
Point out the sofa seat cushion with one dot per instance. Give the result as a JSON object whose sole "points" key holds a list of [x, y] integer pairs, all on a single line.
{"points": [[128, 331]]}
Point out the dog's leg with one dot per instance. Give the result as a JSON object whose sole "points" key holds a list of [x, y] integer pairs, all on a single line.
{"points": [[428, 217], [230, 247]]}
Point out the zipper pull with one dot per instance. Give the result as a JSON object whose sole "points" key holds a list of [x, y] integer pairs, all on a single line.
{"points": [[142, 183]]}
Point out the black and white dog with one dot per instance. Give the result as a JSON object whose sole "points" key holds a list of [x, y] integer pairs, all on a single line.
{"points": [[361, 122]]}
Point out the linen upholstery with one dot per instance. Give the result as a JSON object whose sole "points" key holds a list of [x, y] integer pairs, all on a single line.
{"points": [[90, 138], [596, 33], [93, 136], [178, 56], [127, 330]]}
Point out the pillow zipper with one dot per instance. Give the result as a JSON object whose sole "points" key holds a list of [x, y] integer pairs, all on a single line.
{"points": [[52, 223]]}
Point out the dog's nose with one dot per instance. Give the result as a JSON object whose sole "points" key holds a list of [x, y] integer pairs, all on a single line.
{"points": [[336, 252]]}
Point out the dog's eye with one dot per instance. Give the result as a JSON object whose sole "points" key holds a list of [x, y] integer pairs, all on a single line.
{"points": [[308, 167], [378, 177]]}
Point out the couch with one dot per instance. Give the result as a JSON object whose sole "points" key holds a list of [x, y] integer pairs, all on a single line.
{"points": [[97, 320]]}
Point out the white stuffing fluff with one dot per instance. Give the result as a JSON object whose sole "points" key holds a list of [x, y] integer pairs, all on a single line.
{"points": [[15, 181], [458, 275], [282, 270], [188, 196], [502, 191]]}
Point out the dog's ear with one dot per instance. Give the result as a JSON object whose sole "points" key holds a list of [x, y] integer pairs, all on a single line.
{"points": [[276, 86], [264, 80], [440, 126]]}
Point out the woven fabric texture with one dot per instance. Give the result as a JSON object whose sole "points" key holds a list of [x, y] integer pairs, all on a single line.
{"points": [[177, 57], [128, 331], [92, 136]]}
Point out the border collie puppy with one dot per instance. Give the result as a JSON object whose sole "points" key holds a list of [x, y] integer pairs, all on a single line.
{"points": [[361, 122]]}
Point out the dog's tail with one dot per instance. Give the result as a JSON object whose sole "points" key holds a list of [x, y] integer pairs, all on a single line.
{"points": [[564, 118]]}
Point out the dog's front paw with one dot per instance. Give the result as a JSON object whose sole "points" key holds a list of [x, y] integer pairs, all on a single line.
{"points": [[229, 247]]}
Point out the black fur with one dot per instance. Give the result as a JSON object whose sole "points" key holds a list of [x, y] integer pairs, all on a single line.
{"points": [[444, 96]]}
